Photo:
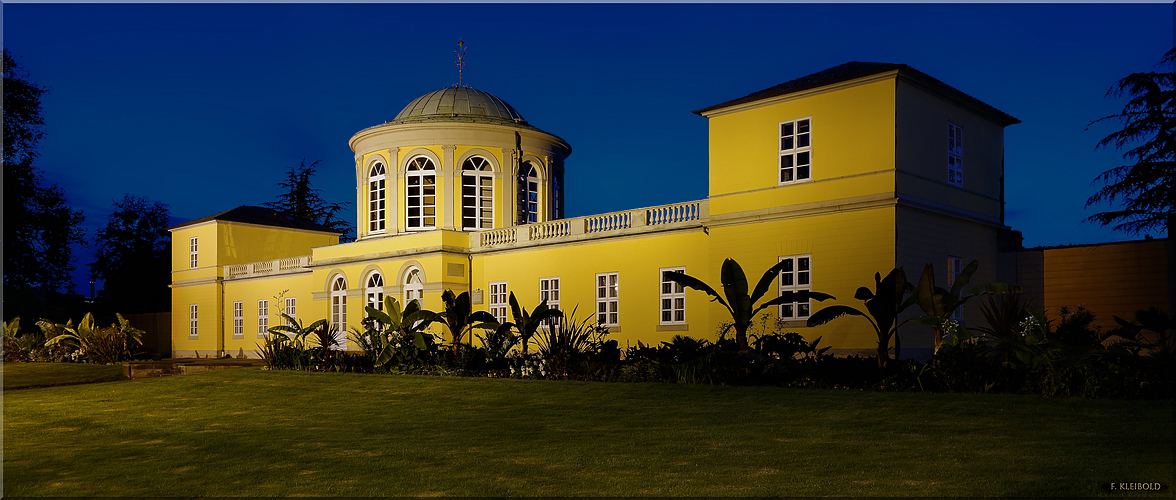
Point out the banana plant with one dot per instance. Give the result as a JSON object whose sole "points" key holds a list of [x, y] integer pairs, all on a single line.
{"points": [[883, 305], [11, 328], [103, 345], [459, 318], [528, 323], [939, 304], [738, 302], [399, 329]]}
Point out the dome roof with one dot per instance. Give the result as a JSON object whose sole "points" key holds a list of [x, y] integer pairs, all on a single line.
{"points": [[459, 104]]}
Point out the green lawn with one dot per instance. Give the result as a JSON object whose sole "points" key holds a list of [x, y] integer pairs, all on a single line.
{"points": [[253, 432], [19, 375]]}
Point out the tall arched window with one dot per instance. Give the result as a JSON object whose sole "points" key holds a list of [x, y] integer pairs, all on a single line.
{"points": [[339, 311], [421, 194], [477, 194], [374, 294], [376, 198], [529, 193], [414, 286]]}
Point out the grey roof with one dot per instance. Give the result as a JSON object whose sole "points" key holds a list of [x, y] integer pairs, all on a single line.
{"points": [[855, 69], [460, 104], [258, 215]]}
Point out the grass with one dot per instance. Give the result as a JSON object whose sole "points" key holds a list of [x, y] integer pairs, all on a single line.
{"points": [[259, 433], [21, 375]]}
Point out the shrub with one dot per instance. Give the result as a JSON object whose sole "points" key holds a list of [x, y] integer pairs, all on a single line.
{"points": [[100, 345]]}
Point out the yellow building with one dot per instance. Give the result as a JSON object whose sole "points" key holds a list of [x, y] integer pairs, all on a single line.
{"points": [[850, 171]]}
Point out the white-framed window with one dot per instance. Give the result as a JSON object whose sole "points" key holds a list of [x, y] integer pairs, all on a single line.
{"points": [[796, 150], [607, 299], [292, 310], [339, 305], [549, 291], [377, 198], [794, 277], [192, 253], [374, 293], [262, 318], [529, 192], [955, 267], [193, 318], [673, 298], [414, 286], [955, 155], [420, 184], [477, 194], [498, 301], [238, 320]]}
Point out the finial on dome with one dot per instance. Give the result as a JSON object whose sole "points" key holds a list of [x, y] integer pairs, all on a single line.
{"points": [[461, 54]]}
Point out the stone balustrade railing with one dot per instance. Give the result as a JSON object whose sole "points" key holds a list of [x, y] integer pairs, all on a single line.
{"points": [[267, 267], [641, 220]]}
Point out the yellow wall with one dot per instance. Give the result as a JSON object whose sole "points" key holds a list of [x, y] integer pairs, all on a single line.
{"points": [[1113, 279]]}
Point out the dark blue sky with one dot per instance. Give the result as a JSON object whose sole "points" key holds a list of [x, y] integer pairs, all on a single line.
{"points": [[204, 107]]}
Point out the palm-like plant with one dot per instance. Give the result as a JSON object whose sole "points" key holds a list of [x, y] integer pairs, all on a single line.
{"points": [[738, 302], [103, 345], [528, 323], [398, 328], [937, 303], [459, 318], [883, 305]]}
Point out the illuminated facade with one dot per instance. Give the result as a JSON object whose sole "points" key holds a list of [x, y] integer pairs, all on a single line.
{"points": [[844, 173]]}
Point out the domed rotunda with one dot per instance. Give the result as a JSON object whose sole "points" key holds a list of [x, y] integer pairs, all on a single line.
{"points": [[460, 159]]}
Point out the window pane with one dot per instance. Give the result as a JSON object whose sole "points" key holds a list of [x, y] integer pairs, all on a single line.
{"points": [[786, 128], [802, 126], [802, 141], [802, 158]]}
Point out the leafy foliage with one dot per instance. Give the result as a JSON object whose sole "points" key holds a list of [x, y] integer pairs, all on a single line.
{"points": [[883, 305], [459, 318], [527, 323], [301, 202], [738, 303], [938, 304], [133, 256], [100, 345]]}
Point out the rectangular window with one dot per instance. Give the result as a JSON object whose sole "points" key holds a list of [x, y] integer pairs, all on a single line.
{"points": [[955, 266], [955, 155], [673, 299], [292, 310], [262, 318], [192, 253], [795, 150], [794, 277], [607, 299], [376, 203], [549, 291], [238, 320], [192, 323], [498, 301]]}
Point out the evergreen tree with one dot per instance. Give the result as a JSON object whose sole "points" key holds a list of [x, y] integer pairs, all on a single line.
{"points": [[38, 226], [134, 257], [301, 202], [1147, 186]]}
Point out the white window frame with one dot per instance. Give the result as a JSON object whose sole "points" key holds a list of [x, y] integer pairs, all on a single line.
{"points": [[377, 198], [608, 299], [423, 173], [477, 194], [955, 155], [498, 300], [339, 306], [529, 188], [193, 321], [262, 318], [955, 267], [373, 295], [414, 286], [671, 298], [792, 153], [549, 291], [292, 310], [238, 320], [193, 254], [794, 279]]}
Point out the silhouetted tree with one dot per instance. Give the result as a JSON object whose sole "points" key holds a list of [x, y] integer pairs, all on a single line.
{"points": [[134, 257], [38, 226], [302, 202], [1147, 186]]}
